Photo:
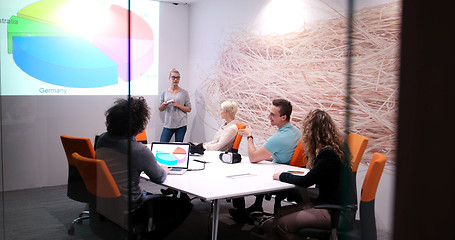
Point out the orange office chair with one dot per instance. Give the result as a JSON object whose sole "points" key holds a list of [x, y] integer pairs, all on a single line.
{"points": [[76, 189], [142, 137], [96, 176], [298, 158], [238, 139], [357, 145], [365, 228], [236, 145], [369, 188], [106, 201]]}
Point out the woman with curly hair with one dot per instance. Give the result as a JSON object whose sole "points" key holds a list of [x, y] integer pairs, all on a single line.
{"points": [[124, 120], [323, 145]]}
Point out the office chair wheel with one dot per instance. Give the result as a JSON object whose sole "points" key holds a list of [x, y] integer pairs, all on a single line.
{"points": [[264, 221], [71, 230]]}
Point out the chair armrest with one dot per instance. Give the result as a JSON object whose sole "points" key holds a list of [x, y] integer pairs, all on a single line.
{"points": [[334, 211], [343, 213], [329, 206], [351, 207]]}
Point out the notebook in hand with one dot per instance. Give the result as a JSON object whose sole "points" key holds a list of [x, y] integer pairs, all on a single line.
{"points": [[175, 155]]}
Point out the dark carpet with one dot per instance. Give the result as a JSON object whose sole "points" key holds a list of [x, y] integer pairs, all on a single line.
{"points": [[47, 213]]}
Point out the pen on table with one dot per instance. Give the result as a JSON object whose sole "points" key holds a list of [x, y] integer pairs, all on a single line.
{"points": [[240, 175], [197, 160]]}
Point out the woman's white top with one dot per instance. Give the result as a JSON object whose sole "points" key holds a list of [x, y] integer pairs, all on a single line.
{"points": [[224, 138]]}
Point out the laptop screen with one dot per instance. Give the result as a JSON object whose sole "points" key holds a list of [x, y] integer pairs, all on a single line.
{"points": [[174, 155]]}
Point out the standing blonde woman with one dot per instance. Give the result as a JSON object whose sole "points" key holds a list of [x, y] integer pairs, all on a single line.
{"points": [[323, 147], [175, 102]]}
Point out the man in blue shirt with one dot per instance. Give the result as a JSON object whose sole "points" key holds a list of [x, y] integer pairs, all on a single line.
{"points": [[278, 148]]}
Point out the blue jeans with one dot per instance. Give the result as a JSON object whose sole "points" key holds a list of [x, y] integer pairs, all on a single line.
{"points": [[167, 133]]}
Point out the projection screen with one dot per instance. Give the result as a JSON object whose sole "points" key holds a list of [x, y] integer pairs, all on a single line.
{"points": [[79, 47]]}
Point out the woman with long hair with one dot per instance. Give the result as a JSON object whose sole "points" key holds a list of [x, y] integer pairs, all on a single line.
{"points": [[323, 145]]}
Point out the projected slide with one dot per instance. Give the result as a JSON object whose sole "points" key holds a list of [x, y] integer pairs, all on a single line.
{"points": [[177, 156], [81, 47]]}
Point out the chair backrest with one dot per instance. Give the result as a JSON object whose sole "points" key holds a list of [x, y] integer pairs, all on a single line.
{"points": [[372, 177], [76, 189], [96, 176], [357, 145], [105, 194], [83, 146], [238, 138], [298, 157], [367, 216], [142, 137], [369, 188]]}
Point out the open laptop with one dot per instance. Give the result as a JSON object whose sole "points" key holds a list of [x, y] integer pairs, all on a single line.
{"points": [[175, 155]]}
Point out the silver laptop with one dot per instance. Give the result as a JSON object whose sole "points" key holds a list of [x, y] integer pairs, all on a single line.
{"points": [[175, 155]]}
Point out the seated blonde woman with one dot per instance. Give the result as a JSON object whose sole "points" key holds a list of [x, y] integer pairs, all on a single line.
{"points": [[224, 138]]}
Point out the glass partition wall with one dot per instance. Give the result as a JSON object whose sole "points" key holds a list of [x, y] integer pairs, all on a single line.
{"points": [[64, 64]]}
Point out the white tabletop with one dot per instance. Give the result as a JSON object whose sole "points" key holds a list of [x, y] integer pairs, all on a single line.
{"points": [[222, 180]]}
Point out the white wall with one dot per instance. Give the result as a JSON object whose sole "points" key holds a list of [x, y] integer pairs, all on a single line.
{"points": [[32, 153], [210, 22], [173, 53]]}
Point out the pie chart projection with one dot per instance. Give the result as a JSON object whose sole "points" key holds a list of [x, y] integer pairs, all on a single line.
{"points": [[80, 43], [177, 156]]}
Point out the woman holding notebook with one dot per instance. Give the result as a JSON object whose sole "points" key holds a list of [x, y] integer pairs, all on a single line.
{"points": [[175, 103]]}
